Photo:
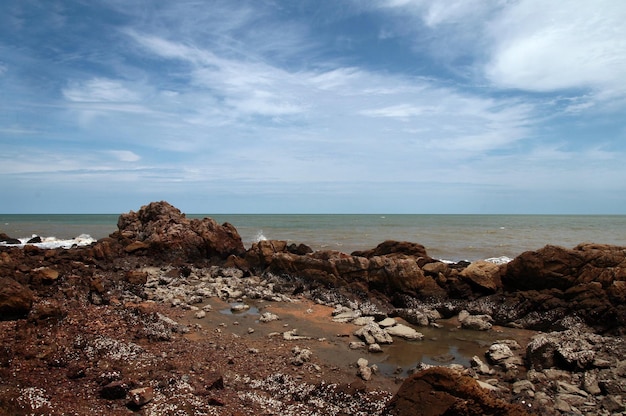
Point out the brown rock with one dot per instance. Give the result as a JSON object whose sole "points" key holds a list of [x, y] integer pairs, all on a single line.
{"points": [[15, 299], [141, 396], [136, 277], [394, 248], [136, 246], [587, 280], [442, 391], [483, 275], [114, 390], [45, 274], [172, 236]]}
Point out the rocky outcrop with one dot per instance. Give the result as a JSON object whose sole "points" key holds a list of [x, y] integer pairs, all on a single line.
{"points": [[442, 391], [166, 232], [588, 281], [382, 269]]}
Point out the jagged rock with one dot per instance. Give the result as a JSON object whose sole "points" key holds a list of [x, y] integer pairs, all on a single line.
{"points": [[172, 236], [301, 356], [364, 371], [499, 353], [584, 281], [480, 366], [15, 300], [373, 334], [268, 317], [570, 350]]}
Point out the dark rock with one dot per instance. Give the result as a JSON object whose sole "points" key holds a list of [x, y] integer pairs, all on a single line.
{"points": [[35, 240], [15, 300], [395, 248], [114, 390], [442, 391], [586, 281]]}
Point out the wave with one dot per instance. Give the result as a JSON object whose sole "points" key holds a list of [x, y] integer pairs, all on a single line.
{"points": [[53, 242], [259, 237]]}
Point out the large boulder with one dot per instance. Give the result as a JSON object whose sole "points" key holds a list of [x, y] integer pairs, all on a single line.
{"points": [[587, 281], [442, 391], [16, 300], [166, 232]]}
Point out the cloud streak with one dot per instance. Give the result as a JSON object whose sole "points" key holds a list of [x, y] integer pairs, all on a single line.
{"points": [[272, 99]]}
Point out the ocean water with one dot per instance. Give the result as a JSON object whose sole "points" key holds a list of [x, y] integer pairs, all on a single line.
{"points": [[448, 237]]}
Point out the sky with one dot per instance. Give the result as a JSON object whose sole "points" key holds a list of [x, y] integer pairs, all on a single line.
{"points": [[313, 106]]}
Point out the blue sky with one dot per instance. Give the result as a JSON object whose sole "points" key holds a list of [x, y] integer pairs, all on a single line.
{"points": [[381, 106]]}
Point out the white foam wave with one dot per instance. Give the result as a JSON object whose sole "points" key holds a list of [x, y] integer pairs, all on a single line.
{"points": [[53, 242], [260, 237], [499, 260]]}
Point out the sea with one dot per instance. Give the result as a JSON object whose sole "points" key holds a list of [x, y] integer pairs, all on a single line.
{"points": [[446, 237]]}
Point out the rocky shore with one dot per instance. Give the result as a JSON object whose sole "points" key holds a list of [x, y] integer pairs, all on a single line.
{"points": [[170, 315]]}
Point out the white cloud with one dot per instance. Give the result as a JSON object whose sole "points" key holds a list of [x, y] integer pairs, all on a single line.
{"points": [[547, 46], [100, 90], [125, 155]]}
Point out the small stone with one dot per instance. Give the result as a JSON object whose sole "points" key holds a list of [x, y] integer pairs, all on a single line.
{"points": [[200, 314], [141, 396], [250, 330], [239, 307], [268, 317], [374, 348], [357, 345]]}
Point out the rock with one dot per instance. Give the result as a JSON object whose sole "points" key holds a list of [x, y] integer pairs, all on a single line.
{"points": [[45, 274], [580, 281], [268, 317], [357, 345], [200, 314], [570, 350], [362, 320], [239, 307], [405, 332], [480, 366], [141, 396], [293, 335], [15, 300], [374, 348], [301, 356], [346, 316], [395, 248], [114, 390], [364, 371], [413, 316], [439, 390], [475, 322], [499, 353], [387, 322], [172, 236], [136, 277], [482, 275], [373, 334]]}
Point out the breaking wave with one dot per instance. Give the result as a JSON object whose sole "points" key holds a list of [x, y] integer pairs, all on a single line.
{"points": [[52, 242]]}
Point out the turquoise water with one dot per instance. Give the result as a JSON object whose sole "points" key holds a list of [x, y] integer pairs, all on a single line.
{"points": [[451, 237]]}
